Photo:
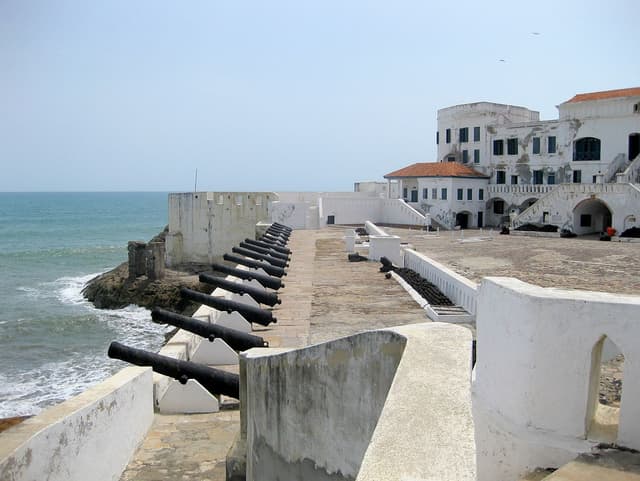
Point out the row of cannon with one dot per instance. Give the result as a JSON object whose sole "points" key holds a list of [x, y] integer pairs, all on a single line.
{"points": [[269, 254]]}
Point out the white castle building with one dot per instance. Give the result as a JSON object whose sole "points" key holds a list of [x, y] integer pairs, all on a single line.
{"points": [[579, 172]]}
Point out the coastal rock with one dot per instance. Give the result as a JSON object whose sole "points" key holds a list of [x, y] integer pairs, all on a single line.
{"points": [[114, 290]]}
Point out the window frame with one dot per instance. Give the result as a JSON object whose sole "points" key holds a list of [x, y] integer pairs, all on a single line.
{"points": [[535, 146], [512, 146], [552, 146], [463, 134], [476, 134], [498, 147]]}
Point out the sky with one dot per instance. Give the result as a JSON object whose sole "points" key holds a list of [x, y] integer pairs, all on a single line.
{"points": [[277, 95]]}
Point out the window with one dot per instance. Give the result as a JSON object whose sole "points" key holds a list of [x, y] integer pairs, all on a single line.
{"points": [[447, 134], [551, 179], [498, 206], [464, 134], [537, 177], [536, 145], [476, 156], [434, 194], [501, 177], [465, 156], [551, 144], [480, 194], [404, 192], [514, 180], [594, 179], [437, 138], [469, 194], [512, 146], [460, 194], [498, 147], [587, 148], [443, 194], [585, 220], [451, 158], [476, 134], [577, 176], [425, 193]]}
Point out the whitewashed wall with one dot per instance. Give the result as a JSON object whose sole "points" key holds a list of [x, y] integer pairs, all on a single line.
{"points": [[533, 372], [89, 437], [205, 225]]}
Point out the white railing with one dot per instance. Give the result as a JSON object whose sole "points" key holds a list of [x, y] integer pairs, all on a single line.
{"points": [[373, 229], [397, 211], [631, 173], [459, 289], [520, 189]]}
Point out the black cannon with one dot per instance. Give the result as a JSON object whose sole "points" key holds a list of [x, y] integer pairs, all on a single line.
{"points": [[264, 250], [264, 279], [250, 313], [278, 232], [273, 240], [213, 380], [265, 266], [260, 257], [282, 226], [237, 340], [257, 294], [266, 245]]}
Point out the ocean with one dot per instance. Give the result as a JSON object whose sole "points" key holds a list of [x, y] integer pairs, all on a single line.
{"points": [[53, 342]]}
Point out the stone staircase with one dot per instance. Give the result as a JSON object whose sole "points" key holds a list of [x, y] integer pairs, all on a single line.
{"points": [[602, 465]]}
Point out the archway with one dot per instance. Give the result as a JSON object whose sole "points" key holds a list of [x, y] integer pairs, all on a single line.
{"points": [[526, 204], [591, 215], [605, 391]]}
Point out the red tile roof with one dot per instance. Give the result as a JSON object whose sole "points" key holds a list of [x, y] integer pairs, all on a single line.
{"points": [[435, 169], [606, 94]]}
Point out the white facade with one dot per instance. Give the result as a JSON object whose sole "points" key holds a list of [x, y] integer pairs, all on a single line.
{"points": [[594, 140]]}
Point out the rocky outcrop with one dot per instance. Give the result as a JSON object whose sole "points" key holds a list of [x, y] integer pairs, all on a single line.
{"points": [[117, 289]]}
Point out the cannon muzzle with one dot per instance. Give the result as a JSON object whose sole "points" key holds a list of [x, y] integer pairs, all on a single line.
{"points": [[250, 313], [237, 340], [264, 279], [213, 380], [264, 250], [257, 294], [260, 257], [265, 266], [266, 245]]}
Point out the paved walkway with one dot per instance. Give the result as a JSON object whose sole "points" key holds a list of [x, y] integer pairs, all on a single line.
{"points": [[325, 297]]}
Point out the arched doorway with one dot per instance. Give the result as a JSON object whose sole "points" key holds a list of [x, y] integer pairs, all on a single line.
{"points": [[590, 216], [606, 379]]}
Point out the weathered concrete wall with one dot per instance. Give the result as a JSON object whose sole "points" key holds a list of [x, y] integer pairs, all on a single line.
{"points": [[534, 376], [388, 404], [425, 430], [89, 437], [311, 412], [205, 225]]}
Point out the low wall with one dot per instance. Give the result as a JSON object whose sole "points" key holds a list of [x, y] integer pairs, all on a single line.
{"points": [[89, 437], [536, 378], [459, 289], [332, 411]]}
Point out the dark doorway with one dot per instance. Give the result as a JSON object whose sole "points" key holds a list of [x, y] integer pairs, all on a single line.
{"points": [[462, 219], [634, 146], [480, 220], [414, 196], [331, 219]]}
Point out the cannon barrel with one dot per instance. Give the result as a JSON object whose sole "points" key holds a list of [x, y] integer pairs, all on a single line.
{"points": [[213, 380], [257, 294], [278, 233], [265, 266], [237, 340], [266, 245], [264, 279], [282, 226], [260, 257], [250, 313], [264, 250], [273, 240]]}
